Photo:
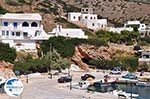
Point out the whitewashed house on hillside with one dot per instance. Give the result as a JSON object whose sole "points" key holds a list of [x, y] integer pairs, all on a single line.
{"points": [[145, 57], [87, 18], [67, 32], [119, 29], [127, 26], [22, 31], [129, 23]]}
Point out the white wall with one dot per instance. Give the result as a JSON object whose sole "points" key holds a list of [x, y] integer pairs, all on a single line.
{"points": [[73, 16], [27, 42], [118, 30], [95, 24], [89, 17]]}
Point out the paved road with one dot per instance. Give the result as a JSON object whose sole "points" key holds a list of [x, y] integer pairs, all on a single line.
{"points": [[44, 88]]}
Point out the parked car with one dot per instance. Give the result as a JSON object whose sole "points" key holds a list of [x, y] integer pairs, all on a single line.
{"points": [[116, 70], [130, 76], [64, 79], [86, 76]]}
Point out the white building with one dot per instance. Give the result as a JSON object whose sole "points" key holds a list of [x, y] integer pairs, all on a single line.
{"points": [[127, 26], [145, 57], [141, 26], [67, 32], [88, 19], [118, 30], [22, 31]]}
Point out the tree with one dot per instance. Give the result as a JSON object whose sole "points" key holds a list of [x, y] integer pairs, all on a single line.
{"points": [[7, 53], [130, 63], [57, 62]]}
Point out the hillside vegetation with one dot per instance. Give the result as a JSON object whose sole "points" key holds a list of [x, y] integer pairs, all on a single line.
{"points": [[116, 11]]}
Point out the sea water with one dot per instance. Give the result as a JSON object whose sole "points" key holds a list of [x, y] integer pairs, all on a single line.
{"points": [[143, 92]]}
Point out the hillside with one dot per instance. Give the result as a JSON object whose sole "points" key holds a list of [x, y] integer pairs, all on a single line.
{"points": [[116, 11]]}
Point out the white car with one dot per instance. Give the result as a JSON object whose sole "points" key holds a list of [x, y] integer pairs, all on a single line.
{"points": [[116, 70]]}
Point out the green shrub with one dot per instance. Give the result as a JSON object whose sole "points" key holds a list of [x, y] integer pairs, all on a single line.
{"points": [[13, 3], [3, 11], [104, 64], [129, 42], [69, 24], [54, 10], [143, 43], [66, 46], [34, 65], [42, 10], [7, 53]]}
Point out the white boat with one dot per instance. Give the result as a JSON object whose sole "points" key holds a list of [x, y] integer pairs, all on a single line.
{"points": [[143, 84], [123, 94]]}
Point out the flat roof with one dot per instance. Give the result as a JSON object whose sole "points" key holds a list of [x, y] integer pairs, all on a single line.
{"points": [[22, 16]]}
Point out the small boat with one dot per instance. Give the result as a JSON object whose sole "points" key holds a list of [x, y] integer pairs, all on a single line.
{"points": [[143, 81], [123, 94]]}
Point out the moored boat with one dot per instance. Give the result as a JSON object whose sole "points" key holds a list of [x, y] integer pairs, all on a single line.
{"points": [[143, 81], [123, 94]]}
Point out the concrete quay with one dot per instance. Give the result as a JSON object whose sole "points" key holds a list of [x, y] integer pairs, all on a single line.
{"points": [[45, 88]]}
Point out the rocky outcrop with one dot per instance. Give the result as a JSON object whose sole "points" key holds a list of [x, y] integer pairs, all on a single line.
{"points": [[77, 59], [6, 69], [92, 52]]}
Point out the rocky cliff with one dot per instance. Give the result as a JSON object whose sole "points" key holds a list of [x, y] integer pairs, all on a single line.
{"points": [[6, 70], [92, 52]]}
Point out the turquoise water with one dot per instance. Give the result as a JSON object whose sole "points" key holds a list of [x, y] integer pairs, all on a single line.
{"points": [[144, 92]]}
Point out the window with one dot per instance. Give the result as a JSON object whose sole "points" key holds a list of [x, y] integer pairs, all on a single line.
{"points": [[13, 33], [79, 18], [7, 33], [5, 23], [25, 34], [33, 24], [17, 33], [15, 24], [37, 33], [25, 24], [142, 34], [74, 17], [92, 24], [91, 17], [146, 56], [3, 33], [85, 17]]}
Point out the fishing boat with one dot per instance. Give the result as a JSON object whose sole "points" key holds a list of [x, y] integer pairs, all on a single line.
{"points": [[123, 94], [144, 81]]}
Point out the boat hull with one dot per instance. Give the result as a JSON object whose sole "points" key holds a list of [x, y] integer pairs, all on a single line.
{"points": [[143, 84]]}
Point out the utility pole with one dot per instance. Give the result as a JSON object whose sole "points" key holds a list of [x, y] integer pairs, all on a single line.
{"points": [[50, 58], [131, 90]]}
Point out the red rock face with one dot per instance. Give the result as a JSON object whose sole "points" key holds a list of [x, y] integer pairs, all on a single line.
{"points": [[6, 69], [77, 59], [92, 52]]}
